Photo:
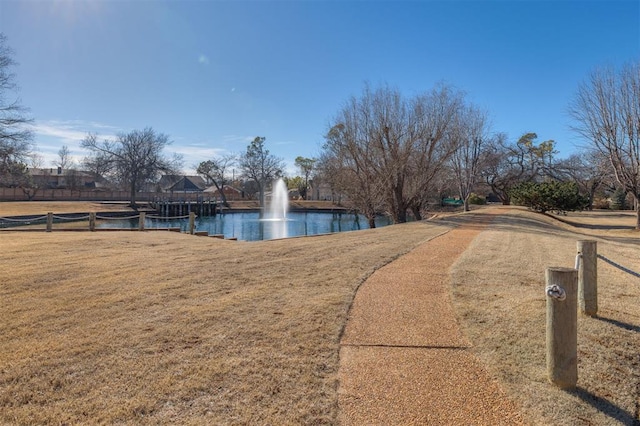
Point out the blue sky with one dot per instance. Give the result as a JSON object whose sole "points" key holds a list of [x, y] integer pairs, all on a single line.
{"points": [[215, 74]]}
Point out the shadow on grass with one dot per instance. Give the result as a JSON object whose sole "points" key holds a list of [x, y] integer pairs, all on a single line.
{"points": [[620, 324], [590, 225], [523, 224], [607, 407], [469, 220], [531, 224]]}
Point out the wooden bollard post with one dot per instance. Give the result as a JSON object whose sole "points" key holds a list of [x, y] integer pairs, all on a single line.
{"points": [[92, 221], [587, 266], [562, 326], [49, 221], [192, 222], [141, 222]]}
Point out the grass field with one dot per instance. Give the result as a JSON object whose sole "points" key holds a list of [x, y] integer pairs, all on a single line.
{"points": [[159, 327], [498, 289], [23, 208]]}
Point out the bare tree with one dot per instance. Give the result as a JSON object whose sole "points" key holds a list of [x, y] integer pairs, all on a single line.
{"points": [[216, 172], [99, 165], [345, 165], [259, 165], [589, 170], [66, 165], [133, 159], [15, 134], [394, 146], [606, 111], [64, 160], [436, 113], [36, 160], [471, 136], [507, 164]]}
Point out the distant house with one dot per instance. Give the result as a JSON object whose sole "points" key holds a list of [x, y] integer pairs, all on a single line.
{"points": [[230, 193], [178, 183], [59, 178]]}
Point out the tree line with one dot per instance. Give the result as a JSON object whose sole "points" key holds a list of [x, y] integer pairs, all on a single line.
{"points": [[390, 154]]}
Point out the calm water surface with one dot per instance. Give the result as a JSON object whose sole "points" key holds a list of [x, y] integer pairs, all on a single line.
{"points": [[248, 226]]}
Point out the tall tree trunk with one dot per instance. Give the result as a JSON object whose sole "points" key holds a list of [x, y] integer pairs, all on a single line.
{"points": [[370, 213], [401, 215], [372, 222], [223, 197], [592, 195], [503, 196], [416, 212], [133, 195], [262, 198], [466, 203], [400, 206], [636, 199]]}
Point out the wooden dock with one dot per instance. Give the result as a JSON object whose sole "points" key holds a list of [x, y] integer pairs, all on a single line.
{"points": [[172, 208]]}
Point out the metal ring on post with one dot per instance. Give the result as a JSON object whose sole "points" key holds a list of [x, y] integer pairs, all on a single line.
{"points": [[556, 292], [578, 261]]}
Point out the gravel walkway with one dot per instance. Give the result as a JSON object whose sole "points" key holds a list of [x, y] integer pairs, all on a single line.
{"points": [[403, 359]]}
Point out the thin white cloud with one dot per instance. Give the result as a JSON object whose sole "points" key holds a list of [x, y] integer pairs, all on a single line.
{"points": [[66, 134], [51, 135], [72, 131], [203, 59]]}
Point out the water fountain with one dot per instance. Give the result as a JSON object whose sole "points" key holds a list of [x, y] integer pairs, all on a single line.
{"points": [[278, 207], [276, 210]]}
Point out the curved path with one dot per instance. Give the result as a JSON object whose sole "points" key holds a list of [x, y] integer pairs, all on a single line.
{"points": [[403, 358]]}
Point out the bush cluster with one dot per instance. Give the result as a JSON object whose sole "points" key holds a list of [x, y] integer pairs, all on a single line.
{"points": [[477, 199], [601, 204], [549, 196]]}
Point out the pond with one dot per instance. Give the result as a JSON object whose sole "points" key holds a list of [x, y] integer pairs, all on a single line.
{"points": [[248, 226]]}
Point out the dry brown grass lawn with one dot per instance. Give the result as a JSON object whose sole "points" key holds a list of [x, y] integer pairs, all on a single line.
{"points": [[499, 296], [41, 208], [20, 208], [159, 327]]}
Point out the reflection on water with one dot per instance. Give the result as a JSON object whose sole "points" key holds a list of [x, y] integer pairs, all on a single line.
{"points": [[248, 226], [278, 227]]}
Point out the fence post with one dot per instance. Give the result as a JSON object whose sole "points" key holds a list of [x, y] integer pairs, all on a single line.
{"points": [[92, 221], [587, 261], [142, 219], [49, 221], [192, 222], [562, 326]]}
